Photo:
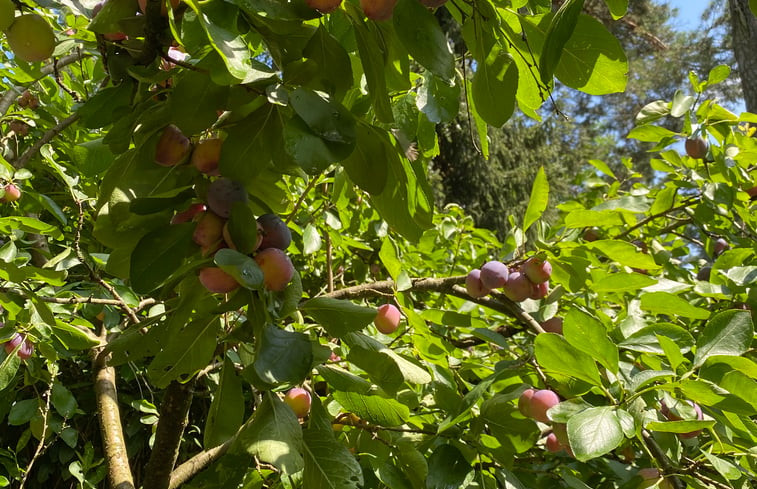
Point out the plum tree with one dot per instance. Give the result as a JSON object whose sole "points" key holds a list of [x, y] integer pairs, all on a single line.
{"points": [[541, 401], [517, 288], [387, 318], [324, 6], [223, 193], [537, 270], [378, 9], [7, 13], [208, 232], [275, 232], [697, 147], [473, 284], [524, 402], [494, 274], [553, 325], [173, 147], [217, 281], [12, 193], [299, 400], [206, 155], [31, 38], [277, 268]]}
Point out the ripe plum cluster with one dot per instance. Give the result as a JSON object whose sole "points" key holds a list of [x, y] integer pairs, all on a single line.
{"points": [[212, 231], [535, 404], [529, 281]]}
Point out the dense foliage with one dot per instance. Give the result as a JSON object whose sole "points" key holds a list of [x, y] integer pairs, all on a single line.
{"points": [[167, 326]]}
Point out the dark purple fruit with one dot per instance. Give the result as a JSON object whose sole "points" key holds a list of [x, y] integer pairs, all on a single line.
{"points": [[276, 234], [222, 194]]}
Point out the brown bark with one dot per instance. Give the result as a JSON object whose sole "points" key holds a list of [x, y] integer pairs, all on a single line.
{"points": [[744, 33]]}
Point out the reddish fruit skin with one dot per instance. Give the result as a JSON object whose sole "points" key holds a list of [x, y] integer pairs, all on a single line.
{"points": [[12, 193], [524, 402], [650, 477], [518, 287], [539, 291], [720, 246], [12, 343], [591, 234], [378, 9], [277, 268], [217, 281], [473, 284], [275, 232], [697, 147], [537, 270], [387, 318], [553, 444], [704, 273], [173, 147], [433, 3], [553, 325], [26, 350], [752, 192], [188, 214], [209, 230], [299, 400], [324, 6], [541, 401], [494, 274], [223, 193], [206, 155]]}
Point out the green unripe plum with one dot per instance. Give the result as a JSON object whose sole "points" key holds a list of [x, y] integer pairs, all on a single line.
{"points": [[387, 318], [276, 233], [31, 38], [651, 476], [552, 325], [222, 194], [12, 193], [473, 284], [378, 9], [277, 268], [537, 270], [173, 147], [7, 14], [524, 402], [518, 287], [217, 281], [697, 147], [206, 155], [324, 6], [299, 400], [494, 274], [541, 401]]}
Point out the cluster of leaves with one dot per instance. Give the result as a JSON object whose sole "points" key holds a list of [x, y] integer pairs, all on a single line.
{"points": [[322, 117]]}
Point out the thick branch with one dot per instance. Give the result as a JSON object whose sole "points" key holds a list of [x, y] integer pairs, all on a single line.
{"points": [[173, 420], [114, 445], [448, 285], [662, 459], [198, 463]]}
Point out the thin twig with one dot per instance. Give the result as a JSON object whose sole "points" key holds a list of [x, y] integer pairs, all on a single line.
{"points": [[329, 264], [683, 205], [41, 444], [46, 138], [313, 181]]}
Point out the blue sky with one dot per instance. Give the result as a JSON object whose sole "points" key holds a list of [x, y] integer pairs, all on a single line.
{"points": [[689, 12]]}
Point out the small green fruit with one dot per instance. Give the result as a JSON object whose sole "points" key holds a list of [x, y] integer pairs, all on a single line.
{"points": [[7, 14], [31, 38]]}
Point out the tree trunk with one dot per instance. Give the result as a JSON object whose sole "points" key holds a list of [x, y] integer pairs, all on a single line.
{"points": [[744, 32]]}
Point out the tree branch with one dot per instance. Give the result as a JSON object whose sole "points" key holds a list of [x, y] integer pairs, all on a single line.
{"points": [[171, 424], [198, 463], [46, 138], [114, 445]]}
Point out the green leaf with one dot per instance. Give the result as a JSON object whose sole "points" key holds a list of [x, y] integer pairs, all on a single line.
{"points": [[645, 340], [447, 468], [724, 467], [282, 356], [372, 58], [194, 101], [242, 228], [560, 29], [338, 317], [23, 411], [419, 31], [189, 350], [555, 354], [624, 253], [244, 269], [364, 344], [650, 134], [72, 337], [388, 256], [679, 426], [671, 305], [494, 86], [594, 432], [753, 6], [618, 8], [335, 68], [537, 204], [438, 98], [328, 463], [710, 394], [62, 400], [226, 410], [681, 104], [367, 166], [344, 380], [8, 369], [311, 240], [727, 333], [623, 282], [248, 145], [375, 409], [653, 111], [274, 436], [593, 60], [158, 254], [28, 225], [589, 335], [719, 73]]}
